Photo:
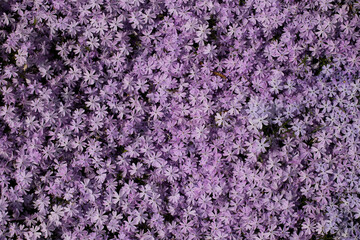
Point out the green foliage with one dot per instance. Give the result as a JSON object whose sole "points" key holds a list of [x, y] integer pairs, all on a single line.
{"points": [[270, 130], [325, 237], [212, 25], [58, 200], [322, 61], [161, 16], [135, 42], [120, 150], [242, 2], [304, 60], [311, 141]]}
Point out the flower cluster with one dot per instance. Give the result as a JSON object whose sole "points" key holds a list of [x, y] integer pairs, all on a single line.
{"points": [[179, 119]]}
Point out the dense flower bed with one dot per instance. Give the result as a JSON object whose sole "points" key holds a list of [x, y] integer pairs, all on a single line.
{"points": [[179, 119]]}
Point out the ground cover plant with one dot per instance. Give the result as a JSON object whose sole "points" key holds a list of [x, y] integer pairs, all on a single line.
{"points": [[179, 119]]}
